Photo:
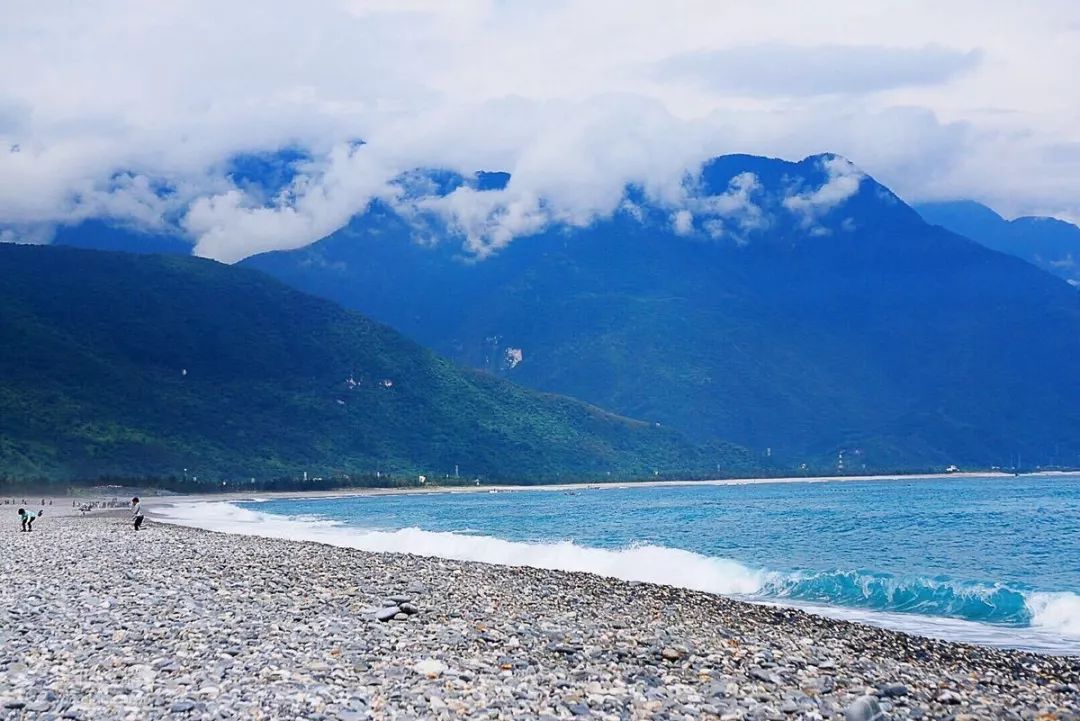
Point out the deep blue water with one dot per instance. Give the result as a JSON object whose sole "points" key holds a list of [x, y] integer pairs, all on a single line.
{"points": [[1003, 552]]}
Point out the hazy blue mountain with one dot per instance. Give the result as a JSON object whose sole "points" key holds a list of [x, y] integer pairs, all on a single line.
{"points": [[96, 234], [822, 316], [125, 364], [1049, 243]]}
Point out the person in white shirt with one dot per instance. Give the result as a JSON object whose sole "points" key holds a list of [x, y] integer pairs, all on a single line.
{"points": [[27, 519]]}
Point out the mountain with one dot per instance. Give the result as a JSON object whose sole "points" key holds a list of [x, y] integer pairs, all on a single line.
{"points": [[1049, 243], [799, 308], [97, 234], [123, 364]]}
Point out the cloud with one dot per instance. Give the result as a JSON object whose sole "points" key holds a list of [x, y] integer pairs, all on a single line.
{"points": [[33, 234], [682, 222], [106, 110], [779, 69], [736, 204], [488, 220], [228, 225], [843, 180]]}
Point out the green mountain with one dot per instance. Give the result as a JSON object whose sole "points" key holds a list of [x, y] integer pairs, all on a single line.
{"points": [[801, 308], [131, 365]]}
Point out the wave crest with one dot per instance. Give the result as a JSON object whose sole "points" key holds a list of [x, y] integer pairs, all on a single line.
{"points": [[928, 596]]}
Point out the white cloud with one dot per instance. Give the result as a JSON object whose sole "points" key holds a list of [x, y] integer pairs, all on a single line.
{"points": [[842, 182], [682, 222], [104, 102], [34, 234], [228, 225], [488, 220], [736, 204], [804, 70]]}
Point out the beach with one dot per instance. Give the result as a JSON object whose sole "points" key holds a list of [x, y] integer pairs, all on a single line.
{"points": [[100, 622]]}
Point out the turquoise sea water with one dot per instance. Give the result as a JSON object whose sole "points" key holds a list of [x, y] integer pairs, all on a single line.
{"points": [[990, 560]]}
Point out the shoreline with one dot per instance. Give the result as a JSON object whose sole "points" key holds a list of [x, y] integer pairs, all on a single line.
{"points": [[242, 496], [659, 565], [185, 623]]}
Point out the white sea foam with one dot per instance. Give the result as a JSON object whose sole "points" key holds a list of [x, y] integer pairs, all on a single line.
{"points": [[651, 564], [1059, 612], [1055, 617]]}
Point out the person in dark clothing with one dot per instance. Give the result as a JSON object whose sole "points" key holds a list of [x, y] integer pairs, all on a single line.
{"points": [[136, 512]]}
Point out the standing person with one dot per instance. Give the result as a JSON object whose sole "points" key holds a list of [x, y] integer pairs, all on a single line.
{"points": [[136, 512]]}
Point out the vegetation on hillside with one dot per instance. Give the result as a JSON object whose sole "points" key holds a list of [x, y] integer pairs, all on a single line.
{"points": [[183, 368]]}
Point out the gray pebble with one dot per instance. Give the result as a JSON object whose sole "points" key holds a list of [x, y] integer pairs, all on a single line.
{"points": [[864, 708]]}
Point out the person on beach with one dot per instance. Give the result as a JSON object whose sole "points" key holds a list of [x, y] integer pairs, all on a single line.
{"points": [[27, 519], [136, 512]]}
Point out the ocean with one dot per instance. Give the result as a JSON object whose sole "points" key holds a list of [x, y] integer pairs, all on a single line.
{"points": [[993, 561]]}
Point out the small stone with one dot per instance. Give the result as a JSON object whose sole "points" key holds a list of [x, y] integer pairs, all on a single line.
{"points": [[864, 708], [759, 675], [564, 648], [349, 715], [409, 608], [430, 667], [401, 617], [386, 614], [182, 706], [950, 697], [894, 690], [671, 654]]}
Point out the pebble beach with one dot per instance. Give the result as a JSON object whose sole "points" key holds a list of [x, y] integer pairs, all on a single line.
{"points": [[100, 622]]}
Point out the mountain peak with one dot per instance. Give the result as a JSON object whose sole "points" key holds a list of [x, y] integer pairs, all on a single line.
{"points": [[820, 195]]}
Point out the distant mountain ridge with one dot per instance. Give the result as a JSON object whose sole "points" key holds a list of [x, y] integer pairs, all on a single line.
{"points": [[131, 365], [800, 308], [1049, 243]]}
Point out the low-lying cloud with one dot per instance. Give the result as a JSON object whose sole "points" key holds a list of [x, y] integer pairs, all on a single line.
{"points": [[131, 111], [842, 182]]}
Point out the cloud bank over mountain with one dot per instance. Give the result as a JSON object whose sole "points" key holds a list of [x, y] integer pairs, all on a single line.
{"points": [[139, 111]]}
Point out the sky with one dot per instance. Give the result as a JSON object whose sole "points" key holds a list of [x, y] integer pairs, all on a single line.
{"points": [[131, 111]]}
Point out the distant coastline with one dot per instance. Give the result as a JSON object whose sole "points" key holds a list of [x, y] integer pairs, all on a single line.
{"points": [[487, 488]]}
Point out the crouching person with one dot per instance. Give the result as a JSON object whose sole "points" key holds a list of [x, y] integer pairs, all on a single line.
{"points": [[27, 519]]}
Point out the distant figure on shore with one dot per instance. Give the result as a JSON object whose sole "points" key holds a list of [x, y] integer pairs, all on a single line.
{"points": [[136, 512], [27, 519]]}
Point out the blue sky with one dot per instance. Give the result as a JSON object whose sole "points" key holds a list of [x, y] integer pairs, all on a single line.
{"points": [[106, 103]]}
